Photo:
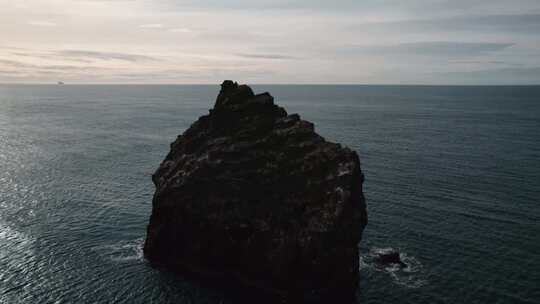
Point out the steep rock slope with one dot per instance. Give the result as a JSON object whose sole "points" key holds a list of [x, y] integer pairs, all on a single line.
{"points": [[251, 197]]}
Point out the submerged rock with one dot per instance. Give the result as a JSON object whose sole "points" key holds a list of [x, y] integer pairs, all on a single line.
{"points": [[251, 197], [389, 257]]}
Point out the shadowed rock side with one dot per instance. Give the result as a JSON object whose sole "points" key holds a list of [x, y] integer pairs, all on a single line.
{"points": [[251, 197]]}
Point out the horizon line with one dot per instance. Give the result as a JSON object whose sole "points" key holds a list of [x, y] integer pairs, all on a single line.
{"points": [[281, 84]]}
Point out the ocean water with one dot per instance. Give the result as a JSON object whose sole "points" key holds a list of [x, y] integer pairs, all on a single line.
{"points": [[452, 181]]}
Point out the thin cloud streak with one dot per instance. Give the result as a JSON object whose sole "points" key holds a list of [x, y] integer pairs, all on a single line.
{"points": [[267, 56], [25, 65], [42, 23], [447, 49], [512, 23], [180, 30], [151, 26], [514, 76], [105, 55]]}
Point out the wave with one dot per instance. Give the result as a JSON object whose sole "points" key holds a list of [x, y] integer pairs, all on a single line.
{"points": [[16, 256], [13, 241], [123, 251]]}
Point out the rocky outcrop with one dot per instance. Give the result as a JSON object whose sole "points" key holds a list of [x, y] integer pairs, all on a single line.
{"points": [[251, 197], [389, 257]]}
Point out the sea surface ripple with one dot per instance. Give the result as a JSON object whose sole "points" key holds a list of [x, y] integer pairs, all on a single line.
{"points": [[452, 181]]}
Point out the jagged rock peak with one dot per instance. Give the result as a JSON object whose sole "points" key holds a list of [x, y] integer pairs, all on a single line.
{"points": [[251, 196]]}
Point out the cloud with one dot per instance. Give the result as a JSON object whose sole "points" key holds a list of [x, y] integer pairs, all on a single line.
{"points": [[151, 26], [524, 23], [46, 56], [25, 65], [510, 76], [265, 4], [484, 62], [5, 72], [266, 56], [180, 30], [42, 23], [430, 48], [14, 63], [298, 41], [81, 54], [427, 6]]}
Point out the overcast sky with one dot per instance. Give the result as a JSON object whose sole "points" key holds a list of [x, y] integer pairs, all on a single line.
{"points": [[270, 41]]}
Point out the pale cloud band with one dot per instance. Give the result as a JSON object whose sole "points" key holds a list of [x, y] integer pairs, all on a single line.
{"points": [[151, 26], [42, 23], [343, 41]]}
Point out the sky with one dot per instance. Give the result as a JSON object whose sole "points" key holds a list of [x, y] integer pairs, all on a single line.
{"points": [[303, 41]]}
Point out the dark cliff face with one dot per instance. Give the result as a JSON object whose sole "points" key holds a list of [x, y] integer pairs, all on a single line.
{"points": [[251, 196]]}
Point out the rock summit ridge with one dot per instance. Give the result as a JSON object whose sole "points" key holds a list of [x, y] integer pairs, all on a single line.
{"points": [[254, 198]]}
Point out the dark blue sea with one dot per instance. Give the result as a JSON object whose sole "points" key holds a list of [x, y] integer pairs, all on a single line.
{"points": [[452, 181]]}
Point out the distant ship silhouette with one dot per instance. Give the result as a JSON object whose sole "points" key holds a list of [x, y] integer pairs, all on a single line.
{"points": [[60, 82]]}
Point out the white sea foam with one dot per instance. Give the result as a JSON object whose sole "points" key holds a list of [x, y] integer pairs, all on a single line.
{"points": [[123, 251], [410, 276], [16, 253], [12, 240]]}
